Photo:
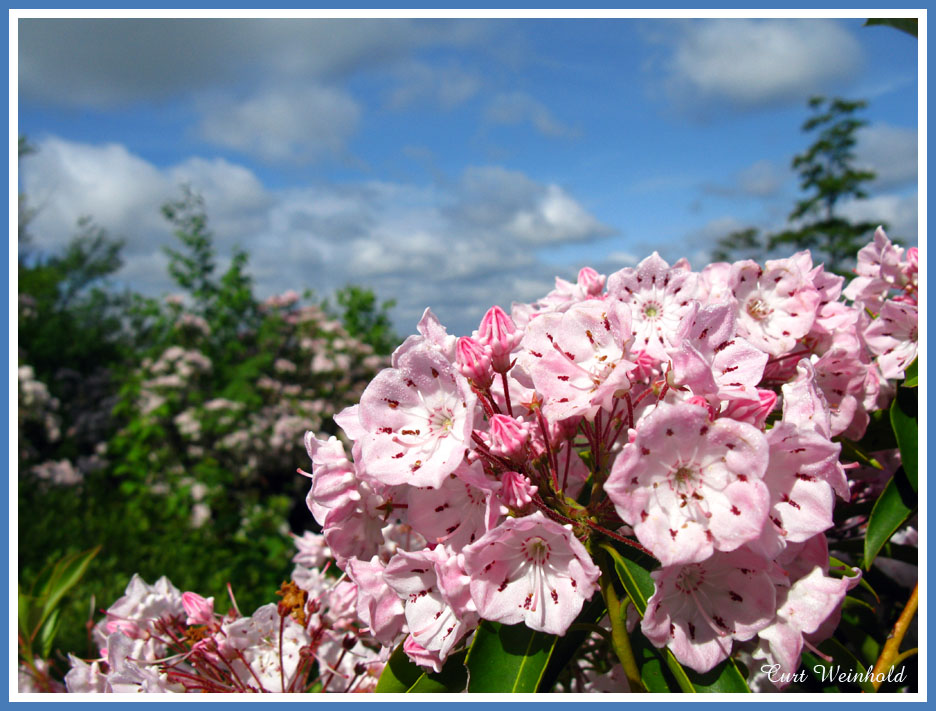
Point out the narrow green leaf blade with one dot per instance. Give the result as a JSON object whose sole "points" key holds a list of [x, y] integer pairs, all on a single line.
{"points": [[65, 575], [401, 676], [634, 577], [843, 659], [508, 659], [903, 417], [911, 375], [726, 678], [47, 634], [891, 510]]}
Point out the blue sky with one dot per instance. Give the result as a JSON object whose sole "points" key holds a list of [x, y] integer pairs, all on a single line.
{"points": [[452, 164]]}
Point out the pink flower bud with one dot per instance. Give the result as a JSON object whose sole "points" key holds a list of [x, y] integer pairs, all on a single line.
{"points": [[647, 366], [500, 334], [591, 282], [752, 411], [199, 610], [516, 490], [508, 436], [702, 402], [474, 362]]}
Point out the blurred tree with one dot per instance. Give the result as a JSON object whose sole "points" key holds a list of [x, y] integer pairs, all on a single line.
{"points": [[365, 319], [829, 176]]}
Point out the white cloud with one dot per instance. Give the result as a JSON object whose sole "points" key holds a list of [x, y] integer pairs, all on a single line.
{"points": [[291, 125], [456, 247], [899, 212], [759, 62], [447, 87], [102, 63], [891, 152], [495, 200], [518, 107]]}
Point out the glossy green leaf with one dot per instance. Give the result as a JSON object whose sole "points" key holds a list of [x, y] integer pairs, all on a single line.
{"points": [[911, 375], [843, 661], [508, 659], [634, 576], [401, 676], [893, 507], [837, 569], [903, 417], [725, 678], [569, 644]]}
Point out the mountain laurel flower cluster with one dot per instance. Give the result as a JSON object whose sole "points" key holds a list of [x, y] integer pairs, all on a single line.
{"points": [[691, 418], [156, 639]]}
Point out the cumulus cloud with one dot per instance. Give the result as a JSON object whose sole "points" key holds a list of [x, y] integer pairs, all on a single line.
{"points": [[291, 125], [457, 247], [750, 63], [891, 152], [520, 108], [898, 212]]}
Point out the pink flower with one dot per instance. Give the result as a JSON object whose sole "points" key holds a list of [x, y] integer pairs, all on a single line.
{"points": [[699, 608], [659, 297], [893, 337], [418, 419], [378, 605], [776, 305], [530, 570], [689, 486], [432, 621], [457, 513], [577, 359]]}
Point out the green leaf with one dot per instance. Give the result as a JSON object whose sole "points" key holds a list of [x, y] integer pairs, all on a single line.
{"points": [[903, 417], [725, 678], [508, 659], [65, 575], [891, 510], [837, 568], [904, 24], [911, 375], [844, 659], [634, 576], [47, 634], [569, 644], [401, 676]]}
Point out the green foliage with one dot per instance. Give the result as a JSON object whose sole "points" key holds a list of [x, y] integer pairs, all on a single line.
{"points": [[360, 313], [828, 177], [904, 24]]}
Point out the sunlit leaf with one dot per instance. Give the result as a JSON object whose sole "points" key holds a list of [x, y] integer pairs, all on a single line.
{"points": [[893, 507], [508, 659]]}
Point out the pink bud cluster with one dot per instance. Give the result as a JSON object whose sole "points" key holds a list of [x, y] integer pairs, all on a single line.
{"points": [[688, 414]]}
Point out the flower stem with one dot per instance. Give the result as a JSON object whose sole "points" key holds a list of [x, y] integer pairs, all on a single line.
{"points": [[890, 653], [620, 641]]}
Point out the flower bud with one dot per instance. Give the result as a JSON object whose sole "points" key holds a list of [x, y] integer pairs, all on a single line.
{"points": [[499, 333], [702, 402], [516, 490], [199, 610], [474, 362], [590, 281], [508, 436], [752, 411]]}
